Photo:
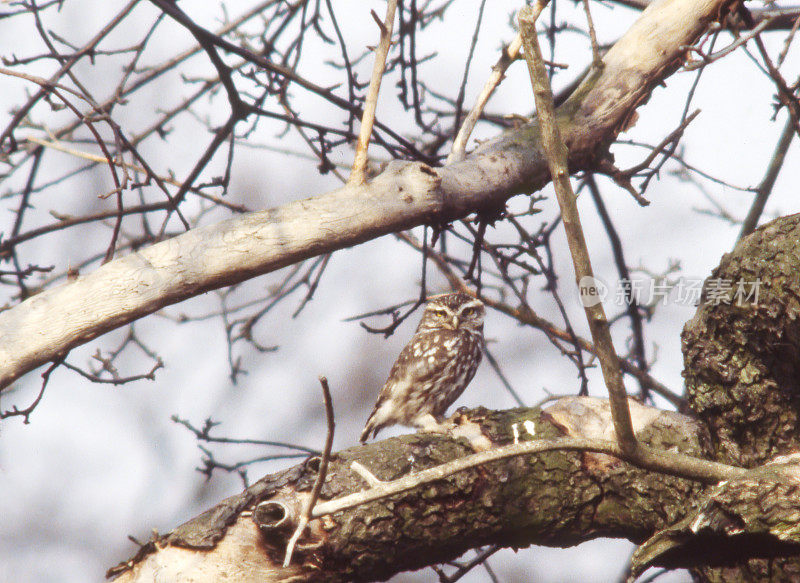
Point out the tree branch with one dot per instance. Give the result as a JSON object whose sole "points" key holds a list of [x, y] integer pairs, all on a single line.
{"points": [[557, 158], [358, 174], [468, 500], [50, 324]]}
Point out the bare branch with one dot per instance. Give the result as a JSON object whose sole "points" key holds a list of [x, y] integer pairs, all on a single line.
{"points": [[359, 172], [321, 473], [510, 54], [584, 276], [768, 182]]}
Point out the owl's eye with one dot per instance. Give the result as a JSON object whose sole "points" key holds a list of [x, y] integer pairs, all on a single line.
{"points": [[468, 312], [439, 313]]}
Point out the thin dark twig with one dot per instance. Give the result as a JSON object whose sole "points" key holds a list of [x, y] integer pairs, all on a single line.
{"points": [[23, 205], [26, 412], [396, 319], [318, 268], [685, 119], [210, 463], [498, 371], [150, 375], [768, 182], [548, 270], [204, 434], [476, 252], [480, 559], [467, 66], [671, 139], [423, 286], [785, 94]]}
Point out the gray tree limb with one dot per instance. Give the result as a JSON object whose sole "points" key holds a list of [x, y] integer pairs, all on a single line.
{"points": [[45, 327]]}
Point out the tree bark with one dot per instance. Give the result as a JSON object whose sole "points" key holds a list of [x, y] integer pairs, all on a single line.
{"points": [[556, 498], [742, 370], [742, 358]]}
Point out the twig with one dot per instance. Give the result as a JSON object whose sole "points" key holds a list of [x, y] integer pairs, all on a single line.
{"points": [[672, 138], [707, 59], [765, 188], [27, 411], [665, 461], [42, 82], [359, 172], [597, 59], [323, 470], [464, 569], [785, 94], [498, 72], [633, 309], [788, 42], [556, 153], [458, 111], [365, 474], [204, 434], [96, 378]]}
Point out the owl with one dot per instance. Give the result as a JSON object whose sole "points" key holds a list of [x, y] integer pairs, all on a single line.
{"points": [[435, 366]]}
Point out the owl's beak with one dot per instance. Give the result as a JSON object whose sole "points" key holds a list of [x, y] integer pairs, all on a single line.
{"points": [[455, 322]]}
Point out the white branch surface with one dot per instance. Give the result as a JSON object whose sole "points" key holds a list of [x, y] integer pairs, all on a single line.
{"points": [[48, 325]]}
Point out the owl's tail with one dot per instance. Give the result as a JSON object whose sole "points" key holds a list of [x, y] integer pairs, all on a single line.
{"points": [[370, 427], [378, 419], [365, 434]]}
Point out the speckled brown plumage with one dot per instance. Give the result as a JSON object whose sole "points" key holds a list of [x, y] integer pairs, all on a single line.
{"points": [[435, 366]]}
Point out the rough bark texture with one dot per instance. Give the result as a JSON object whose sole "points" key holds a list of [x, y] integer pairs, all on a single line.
{"points": [[742, 370], [556, 498], [735, 520], [742, 359]]}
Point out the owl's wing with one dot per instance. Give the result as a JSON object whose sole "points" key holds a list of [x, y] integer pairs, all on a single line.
{"points": [[423, 358]]}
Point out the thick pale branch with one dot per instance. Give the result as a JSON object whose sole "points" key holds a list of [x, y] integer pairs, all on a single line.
{"points": [[46, 326]]}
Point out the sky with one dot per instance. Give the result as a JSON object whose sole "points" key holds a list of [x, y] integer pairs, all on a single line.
{"points": [[97, 463]]}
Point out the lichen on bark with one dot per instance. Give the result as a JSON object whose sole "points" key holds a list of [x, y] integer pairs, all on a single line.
{"points": [[742, 354], [742, 371]]}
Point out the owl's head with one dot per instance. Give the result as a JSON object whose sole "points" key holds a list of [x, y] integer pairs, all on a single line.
{"points": [[456, 311]]}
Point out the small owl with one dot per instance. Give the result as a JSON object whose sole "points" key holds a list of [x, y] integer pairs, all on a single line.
{"points": [[435, 366]]}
